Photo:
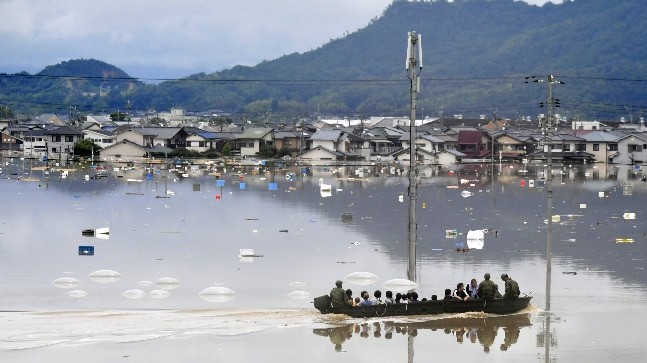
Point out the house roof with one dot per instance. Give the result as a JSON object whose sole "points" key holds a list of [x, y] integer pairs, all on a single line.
{"points": [[255, 132], [600, 136], [470, 137], [326, 135], [64, 130]]}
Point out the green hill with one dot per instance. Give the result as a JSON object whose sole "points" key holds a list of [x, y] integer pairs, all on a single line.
{"points": [[476, 55]]}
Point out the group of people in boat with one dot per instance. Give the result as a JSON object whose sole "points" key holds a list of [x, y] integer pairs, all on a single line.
{"points": [[486, 289]]}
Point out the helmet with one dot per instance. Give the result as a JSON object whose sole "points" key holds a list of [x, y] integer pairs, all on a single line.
{"points": [[487, 276], [338, 283], [504, 276]]}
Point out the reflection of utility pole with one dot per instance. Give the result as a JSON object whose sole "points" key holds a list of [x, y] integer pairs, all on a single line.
{"points": [[413, 66]]}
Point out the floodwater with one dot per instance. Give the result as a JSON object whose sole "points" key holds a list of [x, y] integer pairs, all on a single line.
{"points": [[174, 234]]}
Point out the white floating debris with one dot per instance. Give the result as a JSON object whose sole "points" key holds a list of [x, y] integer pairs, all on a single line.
{"points": [[145, 283], [556, 218], [601, 195], [159, 294], [400, 285], [466, 193], [299, 295], [78, 293], [629, 215], [66, 282], [246, 252], [167, 283], [134, 294], [297, 284], [361, 278], [582, 205], [476, 239], [105, 276], [401, 198], [217, 294]]}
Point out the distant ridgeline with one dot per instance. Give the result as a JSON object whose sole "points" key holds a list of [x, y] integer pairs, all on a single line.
{"points": [[476, 55]]}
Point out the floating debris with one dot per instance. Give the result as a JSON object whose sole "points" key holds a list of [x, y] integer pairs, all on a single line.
{"points": [[361, 278], [451, 233], [86, 250], [569, 273], [66, 282], [400, 285], [134, 294], [283, 230], [159, 294], [624, 240], [217, 294], [466, 194], [105, 276], [167, 283], [297, 284], [78, 293], [347, 217], [629, 216], [299, 295], [476, 239], [247, 252]]}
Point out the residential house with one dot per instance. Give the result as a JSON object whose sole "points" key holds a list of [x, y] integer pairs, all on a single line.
{"points": [[632, 149], [60, 142], [509, 145], [101, 138], [422, 156], [384, 140], [293, 141], [123, 150], [331, 139], [602, 144], [473, 143], [322, 153], [201, 141], [254, 138]]}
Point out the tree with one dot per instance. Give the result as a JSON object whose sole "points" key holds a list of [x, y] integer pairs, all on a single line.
{"points": [[6, 113], [86, 147], [226, 150]]}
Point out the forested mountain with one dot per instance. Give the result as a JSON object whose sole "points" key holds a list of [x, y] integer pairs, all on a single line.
{"points": [[476, 55]]}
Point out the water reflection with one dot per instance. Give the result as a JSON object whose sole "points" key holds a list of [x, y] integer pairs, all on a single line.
{"points": [[465, 329]]}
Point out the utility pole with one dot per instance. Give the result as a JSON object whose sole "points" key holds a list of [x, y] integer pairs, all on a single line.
{"points": [[413, 67]]}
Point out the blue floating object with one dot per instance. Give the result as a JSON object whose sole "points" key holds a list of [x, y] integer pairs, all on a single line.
{"points": [[262, 162], [220, 183], [460, 245], [86, 250], [149, 176], [273, 186], [242, 186]]}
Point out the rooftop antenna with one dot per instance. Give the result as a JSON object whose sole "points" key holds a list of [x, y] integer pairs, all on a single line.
{"points": [[413, 67]]}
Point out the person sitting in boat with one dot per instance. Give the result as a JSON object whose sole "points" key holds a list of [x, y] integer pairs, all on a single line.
{"points": [[413, 297], [460, 293], [338, 296], [473, 289], [511, 288], [349, 297], [448, 295], [378, 297], [389, 297], [487, 288], [366, 299], [398, 298]]}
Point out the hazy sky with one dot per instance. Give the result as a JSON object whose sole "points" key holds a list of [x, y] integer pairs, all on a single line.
{"points": [[171, 39]]}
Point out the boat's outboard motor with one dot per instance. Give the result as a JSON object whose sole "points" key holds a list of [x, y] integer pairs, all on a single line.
{"points": [[322, 303]]}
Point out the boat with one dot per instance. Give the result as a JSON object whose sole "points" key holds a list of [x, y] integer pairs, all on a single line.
{"points": [[427, 307]]}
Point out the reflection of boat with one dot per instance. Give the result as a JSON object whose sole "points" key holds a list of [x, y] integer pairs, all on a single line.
{"points": [[483, 329], [496, 306]]}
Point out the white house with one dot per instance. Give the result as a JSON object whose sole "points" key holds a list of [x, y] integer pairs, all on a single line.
{"points": [[632, 149]]}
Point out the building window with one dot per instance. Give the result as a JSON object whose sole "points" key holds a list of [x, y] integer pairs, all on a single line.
{"points": [[635, 148], [613, 147], [581, 147], [566, 147], [56, 138], [596, 147], [69, 138]]}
